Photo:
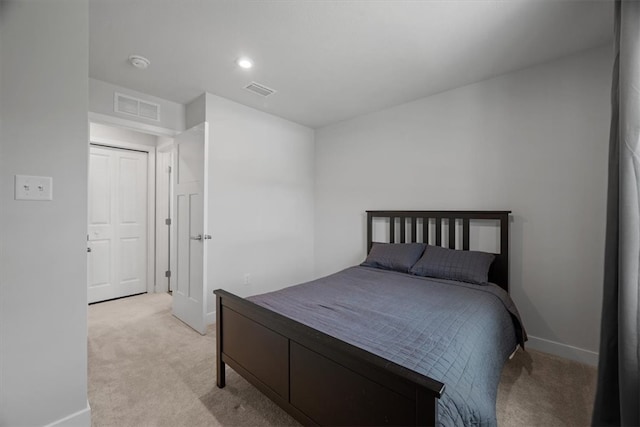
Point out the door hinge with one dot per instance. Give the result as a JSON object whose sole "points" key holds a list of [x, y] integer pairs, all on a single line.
{"points": [[168, 169], [167, 221], [167, 273]]}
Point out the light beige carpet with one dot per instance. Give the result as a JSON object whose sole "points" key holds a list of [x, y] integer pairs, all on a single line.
{"points": [[146, 368]]}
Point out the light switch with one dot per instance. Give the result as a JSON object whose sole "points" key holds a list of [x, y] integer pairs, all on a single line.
{"points": [[34, 187]]}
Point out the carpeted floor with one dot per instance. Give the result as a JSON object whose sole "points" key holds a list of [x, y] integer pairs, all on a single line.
{"points": [[146, 368]]}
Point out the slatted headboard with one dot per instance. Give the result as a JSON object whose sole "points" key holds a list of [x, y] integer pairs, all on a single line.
{"points": [[499, 272]]}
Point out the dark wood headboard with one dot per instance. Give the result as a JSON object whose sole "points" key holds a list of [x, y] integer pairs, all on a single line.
{"points": [[499, 272]]}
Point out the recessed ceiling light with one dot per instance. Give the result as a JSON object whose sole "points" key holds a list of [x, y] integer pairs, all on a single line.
{"points": [[139, 61], [245, 63]]}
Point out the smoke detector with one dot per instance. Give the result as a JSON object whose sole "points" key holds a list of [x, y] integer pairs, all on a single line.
{"points": [[139, 61]]}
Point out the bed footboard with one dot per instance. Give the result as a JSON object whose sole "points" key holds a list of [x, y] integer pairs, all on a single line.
{"points": [[318, 379]]}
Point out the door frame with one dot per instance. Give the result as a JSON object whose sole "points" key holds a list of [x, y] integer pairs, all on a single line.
{"points": [[151, 198], [117, 230], [159, 131], [161, 284]]}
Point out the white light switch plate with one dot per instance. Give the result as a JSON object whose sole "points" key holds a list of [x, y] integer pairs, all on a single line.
{"points": [[34, 187]]}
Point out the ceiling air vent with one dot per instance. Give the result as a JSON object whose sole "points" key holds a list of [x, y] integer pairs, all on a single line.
{"points": [[259, 89], [136, 107]]}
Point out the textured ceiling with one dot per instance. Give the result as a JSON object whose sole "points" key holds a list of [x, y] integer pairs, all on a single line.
{"points": [[332, 60]]}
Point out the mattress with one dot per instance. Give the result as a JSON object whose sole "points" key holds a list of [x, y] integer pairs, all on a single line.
{"points": [[457, 333]]}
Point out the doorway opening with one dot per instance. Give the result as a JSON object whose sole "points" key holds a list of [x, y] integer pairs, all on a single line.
{"points": [[176, 254], [129, 212]]}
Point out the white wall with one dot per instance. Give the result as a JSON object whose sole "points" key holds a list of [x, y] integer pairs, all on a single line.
{"points": [[101, 97], [534, 142], [105, 134], [196, 111], [260, 200], [43, 290], [261, 192]]}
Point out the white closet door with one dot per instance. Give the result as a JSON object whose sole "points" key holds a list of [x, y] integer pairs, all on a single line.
{"points": [[117, 231]]}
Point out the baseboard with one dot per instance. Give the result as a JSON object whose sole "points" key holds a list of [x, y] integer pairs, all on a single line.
{"points": [[210, 318], [563, 350], [81, 418]]}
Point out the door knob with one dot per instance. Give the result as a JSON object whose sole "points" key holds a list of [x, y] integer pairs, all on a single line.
{"points": [[198, 237]]}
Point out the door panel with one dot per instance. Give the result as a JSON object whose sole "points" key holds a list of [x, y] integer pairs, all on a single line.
{"points": [[129, 268], [196, 249], [190, 201], [100, 269], [182, 238], [129, 188], [190, 162], [117, 231]]}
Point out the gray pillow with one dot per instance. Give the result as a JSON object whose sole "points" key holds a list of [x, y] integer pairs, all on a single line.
{"points": [[463, 266], [394, 256]]}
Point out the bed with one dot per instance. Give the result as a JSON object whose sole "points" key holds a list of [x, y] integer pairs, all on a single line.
{"points": [[381, 346]]}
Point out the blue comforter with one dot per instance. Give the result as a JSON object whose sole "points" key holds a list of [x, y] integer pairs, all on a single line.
{"points": [[457, 333]]}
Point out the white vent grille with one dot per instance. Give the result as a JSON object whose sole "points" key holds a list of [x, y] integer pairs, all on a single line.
{"points": [[149, 110], [136, 107], [259, 89]]}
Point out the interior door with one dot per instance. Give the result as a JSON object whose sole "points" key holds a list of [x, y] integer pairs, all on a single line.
{"points": [[117, 223], [189, 222]]}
